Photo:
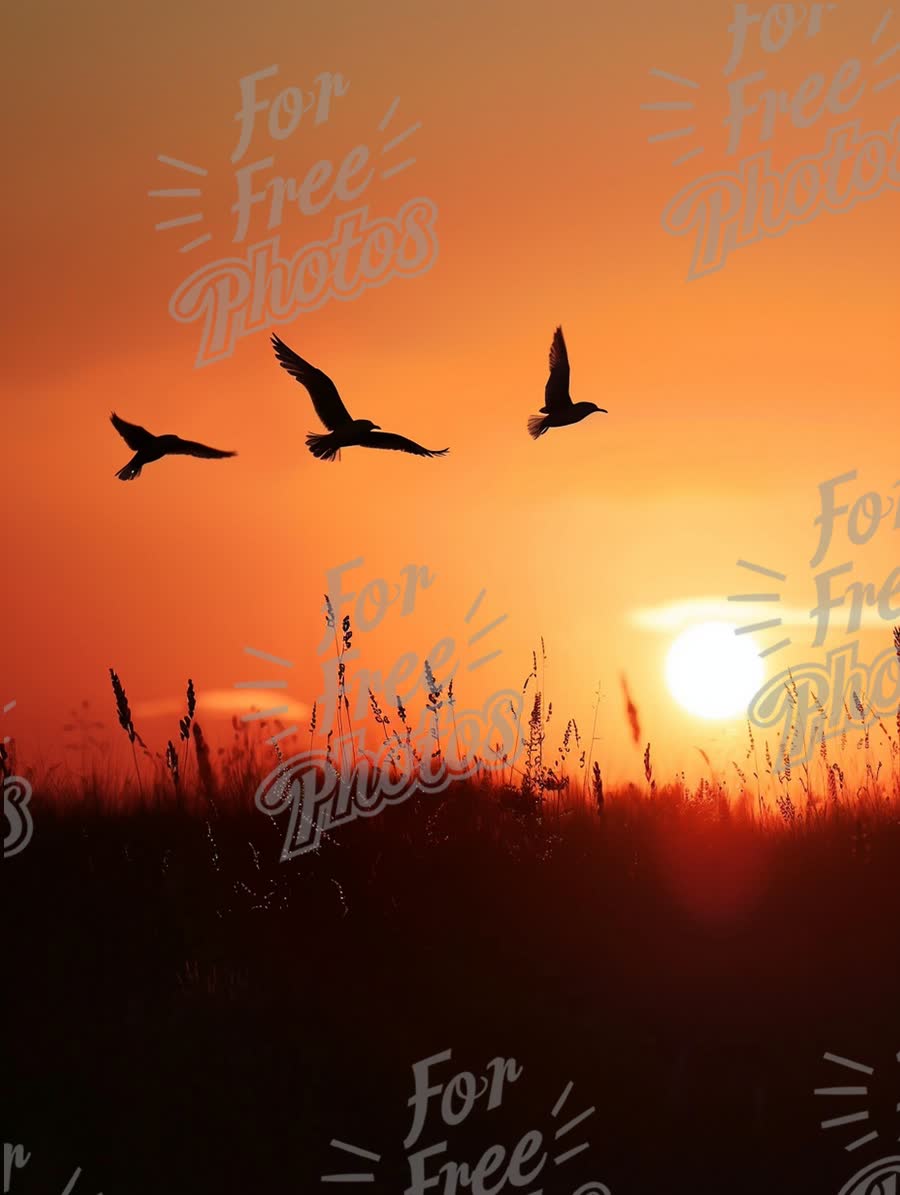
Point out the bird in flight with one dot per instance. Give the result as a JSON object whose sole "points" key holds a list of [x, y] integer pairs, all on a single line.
{"points": [[558, 409], [343, 430], [148, 447]]}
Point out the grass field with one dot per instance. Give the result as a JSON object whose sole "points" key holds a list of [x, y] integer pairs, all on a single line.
{"points": [[186, 1012]]}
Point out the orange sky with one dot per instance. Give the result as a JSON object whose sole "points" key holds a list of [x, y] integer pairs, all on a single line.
{"points": [[731, 396]]}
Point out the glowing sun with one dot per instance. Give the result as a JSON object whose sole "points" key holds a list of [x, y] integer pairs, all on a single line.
{"points": [[713, 673]]}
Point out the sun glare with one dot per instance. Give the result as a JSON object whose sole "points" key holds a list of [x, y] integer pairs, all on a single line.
{"points": [[713, 673]]}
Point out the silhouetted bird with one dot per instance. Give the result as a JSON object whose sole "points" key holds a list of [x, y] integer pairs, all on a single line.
{"points": [[559, 409], [148, 447], [343, 430]]}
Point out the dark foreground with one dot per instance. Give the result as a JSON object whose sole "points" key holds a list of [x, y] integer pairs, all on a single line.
{"points": [[184, 1013]]}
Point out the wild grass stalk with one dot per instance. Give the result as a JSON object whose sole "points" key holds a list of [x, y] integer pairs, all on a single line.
{"points": [[125, 721], [433, 705], [590, 750], [184, 725]]}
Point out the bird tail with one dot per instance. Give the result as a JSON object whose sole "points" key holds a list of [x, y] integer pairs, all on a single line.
{"points": [[130, 471], [322, 446], [538, 425]]}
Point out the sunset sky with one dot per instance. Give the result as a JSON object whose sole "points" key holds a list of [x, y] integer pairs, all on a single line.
{"points": [[731, 396]]}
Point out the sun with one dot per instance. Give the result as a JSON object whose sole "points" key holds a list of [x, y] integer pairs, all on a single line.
{"points": [[713, 673]]}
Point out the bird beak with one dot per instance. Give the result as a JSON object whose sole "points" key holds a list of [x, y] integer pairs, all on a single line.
{"points": [[377, 427]]}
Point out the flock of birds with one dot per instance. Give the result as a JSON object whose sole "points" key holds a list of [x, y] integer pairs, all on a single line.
{"points": [[343, 430]]}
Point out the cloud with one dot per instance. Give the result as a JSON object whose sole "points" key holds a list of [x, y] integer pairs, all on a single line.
{"points": [[676, 616], [225, 702]]}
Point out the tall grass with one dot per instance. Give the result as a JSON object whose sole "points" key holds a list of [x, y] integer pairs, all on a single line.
{"points": [[859, 770]]}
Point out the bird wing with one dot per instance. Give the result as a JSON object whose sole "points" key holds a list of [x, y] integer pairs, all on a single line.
{"points": [[178, 447], [325, 398], [556, 392], [134, 436], [400, 444]]}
